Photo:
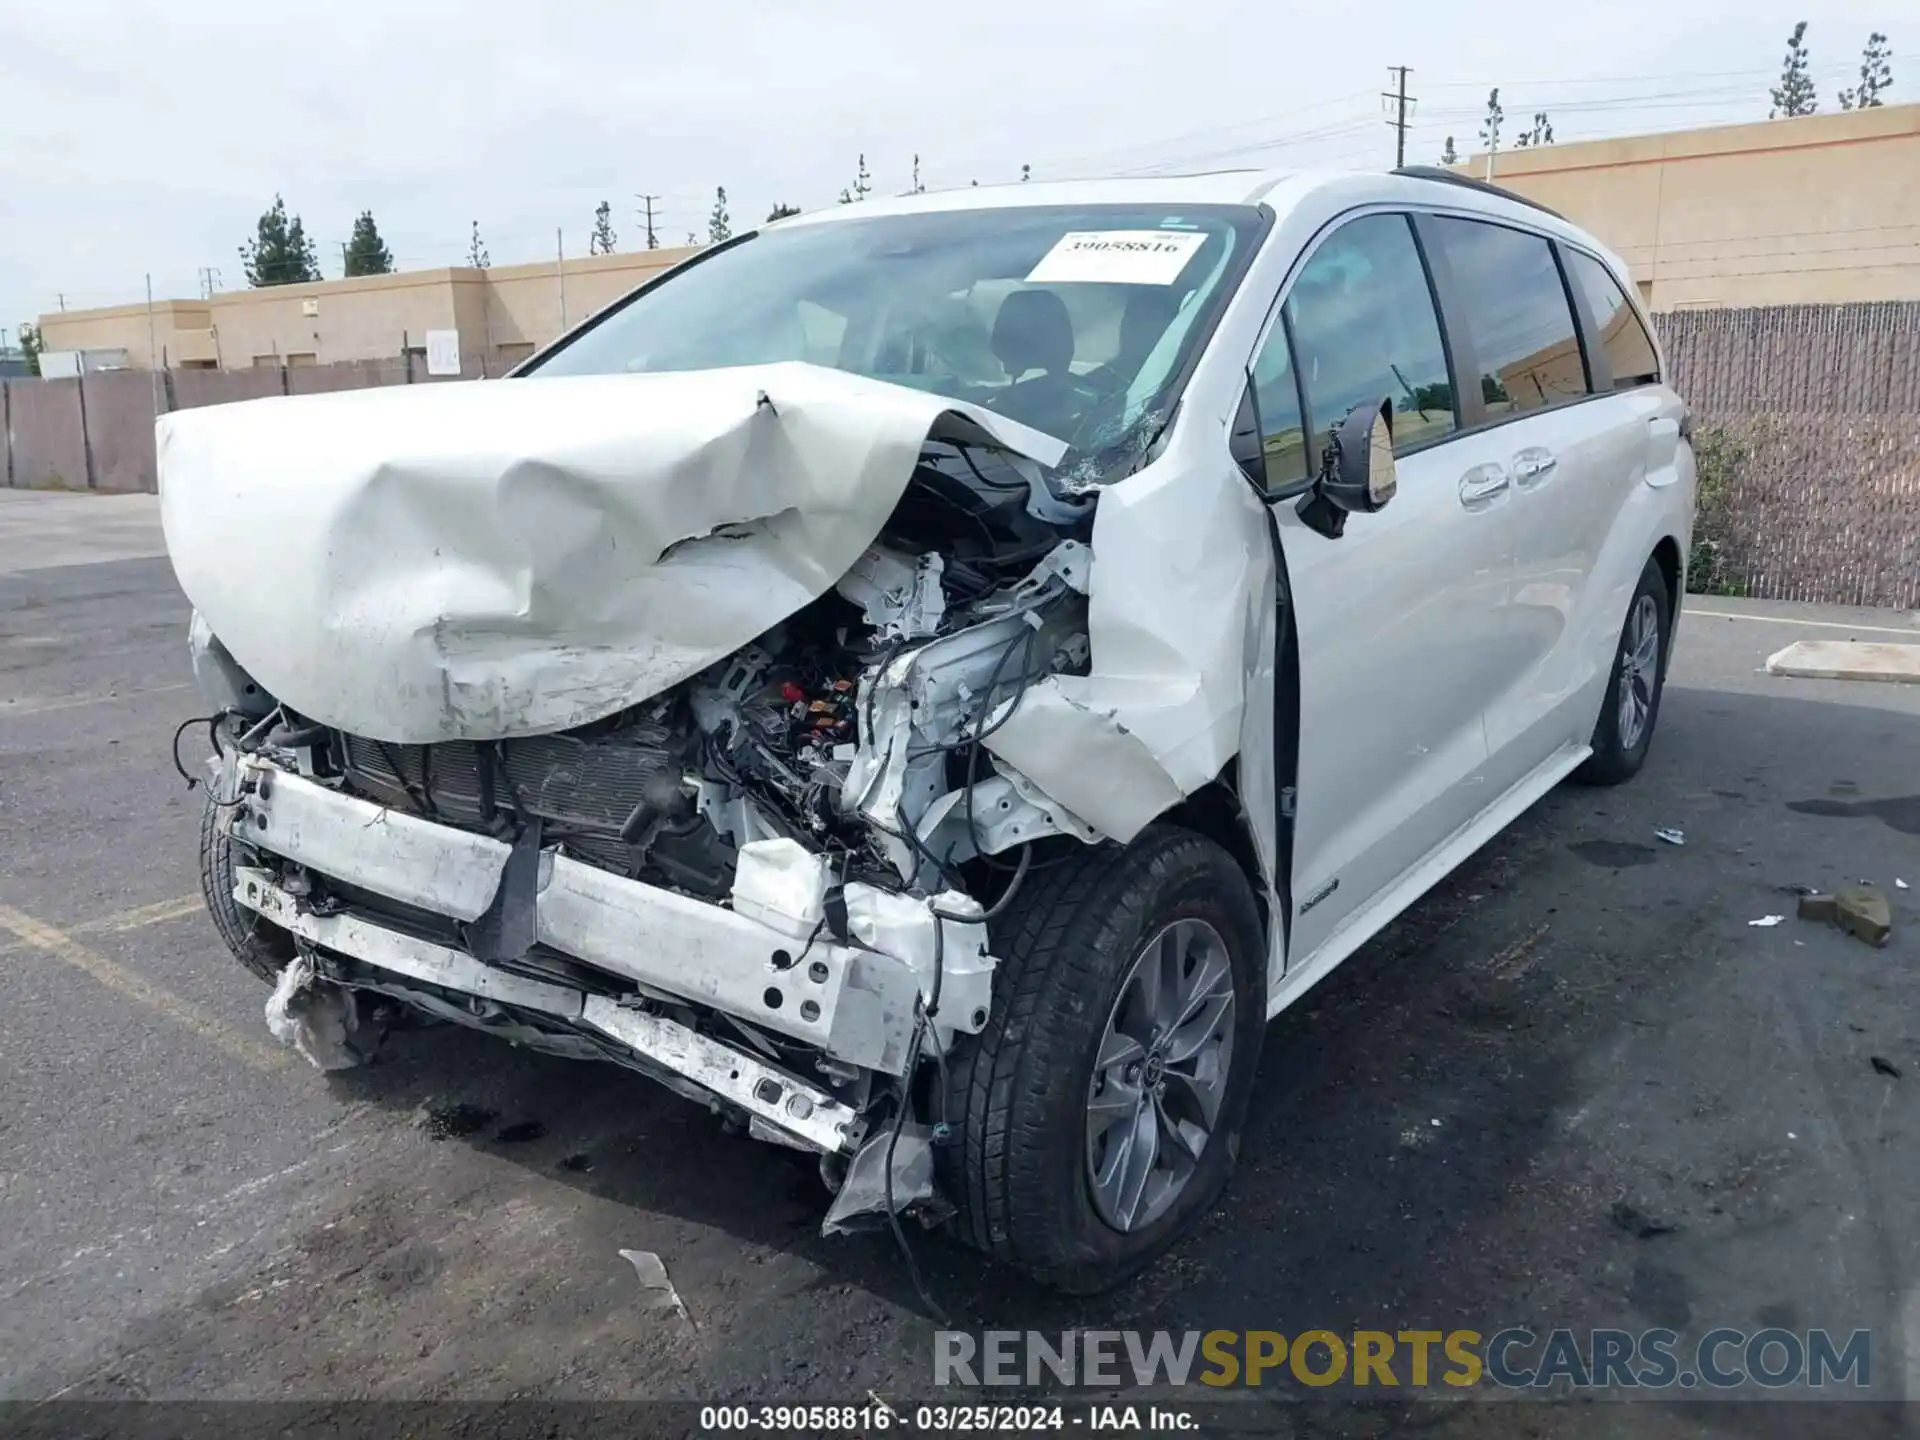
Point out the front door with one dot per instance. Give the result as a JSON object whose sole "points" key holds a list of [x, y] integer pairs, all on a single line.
{"points": [[1400, 620]]}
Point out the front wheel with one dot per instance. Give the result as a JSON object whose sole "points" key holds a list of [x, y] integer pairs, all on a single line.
{"points": [[1099, 1113], [261, 946], [1632, 704]]}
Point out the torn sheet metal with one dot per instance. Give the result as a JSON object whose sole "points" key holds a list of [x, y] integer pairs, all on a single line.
{"points": [[1178, 605], [482, 560]]}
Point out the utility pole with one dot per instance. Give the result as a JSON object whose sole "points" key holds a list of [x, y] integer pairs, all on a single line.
{"points": [[209, 281], [1399, 100], [61, 297], [653, 242], [153, 351], [560, 269]]}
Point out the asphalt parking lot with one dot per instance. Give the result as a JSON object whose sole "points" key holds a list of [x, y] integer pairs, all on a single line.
{"points": [[1574, 1086]]}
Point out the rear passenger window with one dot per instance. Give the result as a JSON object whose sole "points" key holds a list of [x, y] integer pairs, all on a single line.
{"points": [[1364, 326], [1629, 348], [1515, 311]]}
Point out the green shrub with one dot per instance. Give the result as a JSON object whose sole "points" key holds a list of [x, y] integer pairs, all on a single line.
{"points": [[1720, 456]]}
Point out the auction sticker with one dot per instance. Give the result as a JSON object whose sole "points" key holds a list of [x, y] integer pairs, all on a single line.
{"points": [[1117, 257]]}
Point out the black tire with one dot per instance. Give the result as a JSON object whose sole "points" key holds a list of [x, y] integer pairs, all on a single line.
{"points": [[1616, 759], [261, 946], [1017, 1168]]}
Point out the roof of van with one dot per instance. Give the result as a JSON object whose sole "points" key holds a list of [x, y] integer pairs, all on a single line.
{"points": [[1280, 189]]}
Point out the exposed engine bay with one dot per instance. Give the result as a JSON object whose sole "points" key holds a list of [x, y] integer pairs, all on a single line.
{"points": [[844, 728]]}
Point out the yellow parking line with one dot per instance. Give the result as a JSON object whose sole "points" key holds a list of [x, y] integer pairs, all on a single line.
{"points": [[135, 986], [176, 909], [141, 915]]}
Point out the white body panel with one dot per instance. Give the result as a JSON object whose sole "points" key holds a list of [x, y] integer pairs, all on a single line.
{"points": [[1453, 648]]}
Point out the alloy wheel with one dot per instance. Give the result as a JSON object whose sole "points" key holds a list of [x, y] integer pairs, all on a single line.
{"points": [[1161, 1074], [1639, 670]]}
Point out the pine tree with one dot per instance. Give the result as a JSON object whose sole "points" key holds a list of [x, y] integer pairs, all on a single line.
{"points": [[1794, 95], [367, 253], [1449, 156], [719, 223], [918, 188], [1876, 76], [1490, 127], [862, 184], [602, 240], [30, 347], [1540, 134], [280, 252], [1026, 172], [781, 211], [477, 256]]}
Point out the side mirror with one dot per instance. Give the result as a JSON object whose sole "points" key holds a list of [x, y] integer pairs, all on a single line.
{"points": [[1356, 470], [1245, 443]]}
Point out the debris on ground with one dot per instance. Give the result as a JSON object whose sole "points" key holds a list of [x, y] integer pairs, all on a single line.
{"points": [[1863, 911], [1899, 884], [1767, 922], [1670, 835], [456, 1121], [657, 1292], [1885, 1066], [1637, 1222]]}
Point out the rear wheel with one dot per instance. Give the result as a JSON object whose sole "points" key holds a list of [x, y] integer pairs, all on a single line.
{"points": [[261, 946], [1624, 730], [1099, 1113]]}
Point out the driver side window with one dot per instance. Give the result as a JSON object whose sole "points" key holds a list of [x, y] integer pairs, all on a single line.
{"points": [[1365, 326]]}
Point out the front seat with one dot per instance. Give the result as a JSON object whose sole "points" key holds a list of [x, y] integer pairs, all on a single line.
{"points": [[1034, 332], [1148, 314]]}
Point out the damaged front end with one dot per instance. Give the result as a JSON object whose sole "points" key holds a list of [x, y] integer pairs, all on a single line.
{"points": [[765, 884]]}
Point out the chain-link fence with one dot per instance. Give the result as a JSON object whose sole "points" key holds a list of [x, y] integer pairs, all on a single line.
{"points": [[1807, 425]]}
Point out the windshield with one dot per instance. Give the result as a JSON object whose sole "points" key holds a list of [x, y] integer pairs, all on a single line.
{"points": [[1078, 321]]}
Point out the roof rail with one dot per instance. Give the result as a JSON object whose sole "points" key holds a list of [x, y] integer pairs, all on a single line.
{"points": [[1452, 177]]}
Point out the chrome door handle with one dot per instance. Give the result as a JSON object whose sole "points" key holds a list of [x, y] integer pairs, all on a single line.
{"points": [[1533, 465], [1482, 484]]}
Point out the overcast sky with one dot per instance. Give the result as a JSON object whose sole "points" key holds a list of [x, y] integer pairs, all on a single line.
{"points": [[147, 135]]}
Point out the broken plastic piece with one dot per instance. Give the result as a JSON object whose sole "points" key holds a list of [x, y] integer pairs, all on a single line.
{"points": [[862, 1201], [1671, 836], [656, 1290], [1767, 922], [319, 1019]]}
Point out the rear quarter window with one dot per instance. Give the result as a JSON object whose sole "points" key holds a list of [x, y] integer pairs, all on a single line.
{"points": [[1629, 349]]}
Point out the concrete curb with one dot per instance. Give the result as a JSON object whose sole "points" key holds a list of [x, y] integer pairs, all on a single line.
{"points": [[1847, 660]]}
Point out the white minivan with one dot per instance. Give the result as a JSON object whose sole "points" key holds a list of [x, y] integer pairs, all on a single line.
{"points": [[932, 678]]}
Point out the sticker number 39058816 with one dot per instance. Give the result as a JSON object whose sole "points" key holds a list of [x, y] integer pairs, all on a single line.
{"points": [[1117, 257]]}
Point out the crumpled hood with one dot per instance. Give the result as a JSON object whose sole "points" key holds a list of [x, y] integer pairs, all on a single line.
{"points": [[472, 561]]}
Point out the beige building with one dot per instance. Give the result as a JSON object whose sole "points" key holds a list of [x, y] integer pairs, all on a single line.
{"points": [[502, 314], [1822, 208], [1817, 209]]}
